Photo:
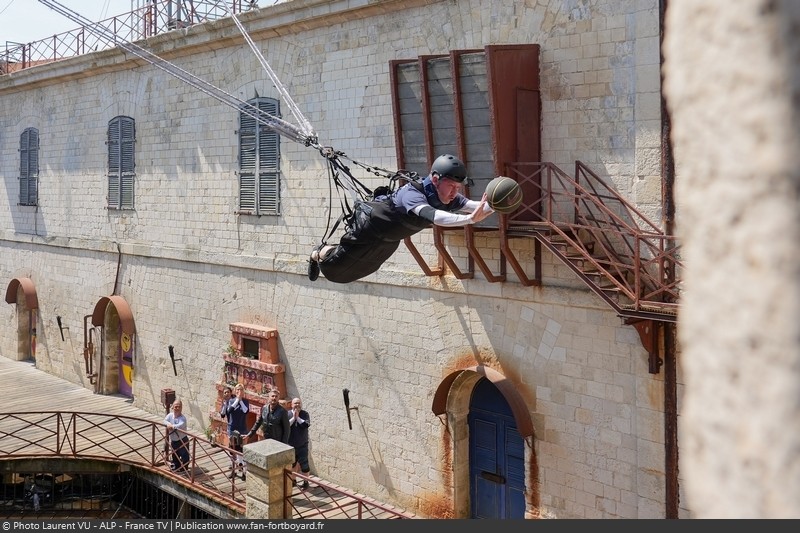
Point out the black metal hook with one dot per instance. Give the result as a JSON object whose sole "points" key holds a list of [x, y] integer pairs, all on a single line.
{"points": [[346, 394], [172, 357], [60, 327]]}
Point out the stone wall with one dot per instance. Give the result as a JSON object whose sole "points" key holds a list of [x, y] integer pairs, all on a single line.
{"points": [[189, 266]]}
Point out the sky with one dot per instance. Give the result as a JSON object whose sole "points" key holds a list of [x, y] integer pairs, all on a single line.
{"points": [[24, 21]]}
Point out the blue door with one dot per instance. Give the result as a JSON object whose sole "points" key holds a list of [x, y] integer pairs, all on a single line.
{"points": [[497, 456]]}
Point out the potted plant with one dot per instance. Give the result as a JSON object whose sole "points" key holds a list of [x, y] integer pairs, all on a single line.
{"points": [[211, 434], [233, 351]]}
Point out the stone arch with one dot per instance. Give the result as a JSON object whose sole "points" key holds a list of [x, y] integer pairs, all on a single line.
{"points": [[22, 287], [22, 292], [114, 315], [452, 399], [522, 415]]}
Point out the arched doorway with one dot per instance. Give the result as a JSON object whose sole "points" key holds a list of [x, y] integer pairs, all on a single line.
{"points": [[481, 406], [117, 348], [497, 456], [22, 292]]}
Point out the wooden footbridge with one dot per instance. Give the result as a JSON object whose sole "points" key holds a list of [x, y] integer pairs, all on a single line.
{"points": [[44, 417]]}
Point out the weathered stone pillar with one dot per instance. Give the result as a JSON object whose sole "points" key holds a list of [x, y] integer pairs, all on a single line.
{"points": [[266, 485], [732, 73], [23, 327]]}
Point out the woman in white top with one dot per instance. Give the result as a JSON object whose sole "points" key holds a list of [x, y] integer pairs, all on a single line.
{"points": [[176, 429]]}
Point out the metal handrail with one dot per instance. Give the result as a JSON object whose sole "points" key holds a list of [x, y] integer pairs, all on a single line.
{"points": [[326, 501], [144, 443], [154, 18], [129, 440], [604, 239], [600, 235]]}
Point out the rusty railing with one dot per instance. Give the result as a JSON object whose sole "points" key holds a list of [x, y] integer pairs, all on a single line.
{"points": [[605, 240], [322, 500], [154, 18], [129, 440], [143, 443]]}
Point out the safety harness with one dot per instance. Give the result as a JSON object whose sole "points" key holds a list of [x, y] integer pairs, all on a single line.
{"points": [[353, 193]]}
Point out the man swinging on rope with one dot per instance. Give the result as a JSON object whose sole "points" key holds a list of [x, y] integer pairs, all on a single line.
{"points": [[376, 228]]}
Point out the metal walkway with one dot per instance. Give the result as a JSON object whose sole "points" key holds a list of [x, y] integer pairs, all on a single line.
{"points": [[47, 417]]}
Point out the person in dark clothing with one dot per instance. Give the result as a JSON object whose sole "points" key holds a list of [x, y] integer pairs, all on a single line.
{"points": [[299, 420], [235, 408], [275, 420], [376, 228]]}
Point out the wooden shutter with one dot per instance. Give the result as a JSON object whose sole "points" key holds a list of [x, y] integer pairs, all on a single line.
{"points": [[442, 110], [29, 167], [121, 162], [113, 163], [480, 105], [268, 163], [127, 162], [248, 134], [259, 162], [411, 133], [476, 119]]}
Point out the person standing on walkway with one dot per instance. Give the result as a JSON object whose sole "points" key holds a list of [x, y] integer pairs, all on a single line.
{"points": [[234, 409], [299, 421], [176, 429], [275, 420]]}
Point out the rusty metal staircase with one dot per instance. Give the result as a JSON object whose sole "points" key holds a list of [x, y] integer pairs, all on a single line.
{"points": [[619, 254], [609, 244]]}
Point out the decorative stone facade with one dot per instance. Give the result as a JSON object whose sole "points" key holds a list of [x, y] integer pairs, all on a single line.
{"points": [[258, 375]]}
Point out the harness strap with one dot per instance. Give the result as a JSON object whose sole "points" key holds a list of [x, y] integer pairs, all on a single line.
{"points": [[352, 191]]}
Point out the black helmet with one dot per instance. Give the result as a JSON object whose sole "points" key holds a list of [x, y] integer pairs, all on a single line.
{"points": [[449, 166]]}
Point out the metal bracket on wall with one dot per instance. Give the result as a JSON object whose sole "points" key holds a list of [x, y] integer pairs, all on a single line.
{"points": [[648, 333]]}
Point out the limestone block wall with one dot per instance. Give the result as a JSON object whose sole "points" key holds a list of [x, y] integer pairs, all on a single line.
{"points": [[189, 266]]}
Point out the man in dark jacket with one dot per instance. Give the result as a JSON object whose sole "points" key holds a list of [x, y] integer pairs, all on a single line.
{"points": [[300, 420], [275, 420], [235, 408]]}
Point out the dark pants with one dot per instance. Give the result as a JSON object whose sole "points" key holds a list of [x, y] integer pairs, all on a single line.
{"points": [[180, 453], [353, 261], [375, 233], [235, 442], [301, 456]]}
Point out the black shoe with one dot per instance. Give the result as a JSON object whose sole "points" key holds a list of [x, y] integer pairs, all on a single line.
{"points": [[304, 486], [313, 270], [244, 477], [232, 474]]}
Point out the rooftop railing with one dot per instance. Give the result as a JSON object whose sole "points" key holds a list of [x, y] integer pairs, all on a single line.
{"points": [[154, 18]]}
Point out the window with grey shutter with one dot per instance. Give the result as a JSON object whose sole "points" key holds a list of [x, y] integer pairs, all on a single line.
{"points": [[121, 162], [259, 162], [29, 167]]}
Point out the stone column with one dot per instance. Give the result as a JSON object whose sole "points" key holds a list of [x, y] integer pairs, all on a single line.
{"points": [[732, 73], [266, 484], [23, 327]]}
